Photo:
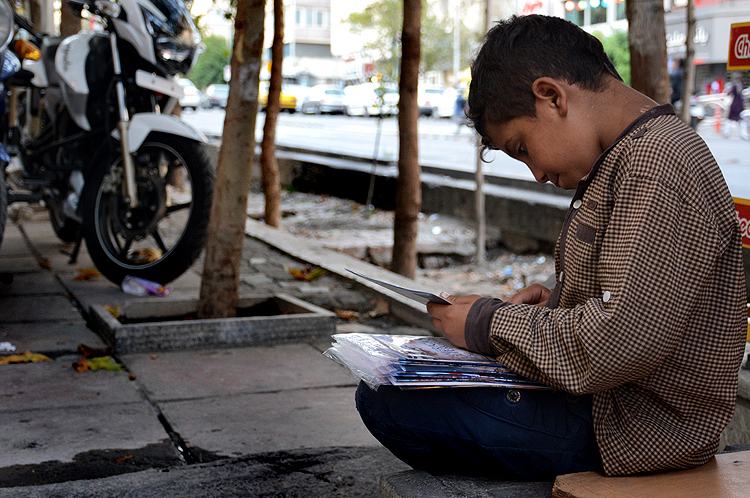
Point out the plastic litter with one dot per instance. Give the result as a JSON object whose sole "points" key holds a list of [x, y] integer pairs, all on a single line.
{"points": [[6, 346], [141, 287]]}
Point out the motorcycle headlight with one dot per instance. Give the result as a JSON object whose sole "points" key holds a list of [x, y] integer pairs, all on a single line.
{"points": [[175, 47], [6, 24]]}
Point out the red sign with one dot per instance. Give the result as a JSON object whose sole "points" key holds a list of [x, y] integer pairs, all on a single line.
{"points": [[742, 208], [739, 47]]}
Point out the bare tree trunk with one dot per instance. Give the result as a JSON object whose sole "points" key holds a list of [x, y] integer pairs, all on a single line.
{"points": [[268, 165], [647, 37], [70, 22], [226, 231], [688, 74], [409, 188]]}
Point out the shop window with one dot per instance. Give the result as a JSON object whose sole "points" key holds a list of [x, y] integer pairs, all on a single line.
{"points": [[574, 11]]}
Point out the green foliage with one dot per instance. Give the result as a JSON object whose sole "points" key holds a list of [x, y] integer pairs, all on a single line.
{"points": [[210, 66], [617, 48], [385, 18]]}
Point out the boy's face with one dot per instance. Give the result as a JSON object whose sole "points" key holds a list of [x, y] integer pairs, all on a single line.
{"points": [[555, 149]]}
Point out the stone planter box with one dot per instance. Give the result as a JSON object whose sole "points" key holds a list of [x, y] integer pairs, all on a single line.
{"points": [[157, 325]]}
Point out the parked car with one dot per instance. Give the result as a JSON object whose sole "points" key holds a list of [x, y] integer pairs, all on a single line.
{"points": [[287, 101], [216, 96], [437, 101], [324, 99], [192, 98], [363, 100]]}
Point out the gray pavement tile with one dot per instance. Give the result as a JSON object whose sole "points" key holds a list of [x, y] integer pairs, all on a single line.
{"points": [[52, 338], [246, 424], [15, 309], [13, 242], [225, 372], [56, 384], [32, 283], [19, 264], [36, 436]]}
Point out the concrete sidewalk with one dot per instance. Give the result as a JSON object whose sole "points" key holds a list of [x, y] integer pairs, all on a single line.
{"points": [[241, 421]]}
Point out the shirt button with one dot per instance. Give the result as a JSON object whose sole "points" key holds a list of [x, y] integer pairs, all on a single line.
{"points": [[607, 296], [577, 204], [513, 396], [560, 278]]}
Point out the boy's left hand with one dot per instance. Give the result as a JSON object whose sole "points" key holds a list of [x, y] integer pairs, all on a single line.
{"points": [[450, 319]]}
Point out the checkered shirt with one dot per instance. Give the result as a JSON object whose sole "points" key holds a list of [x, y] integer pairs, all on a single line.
{"points": [[649, 312]]}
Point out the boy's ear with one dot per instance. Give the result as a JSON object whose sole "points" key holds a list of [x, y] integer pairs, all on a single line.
{"points": [[549, 91]]}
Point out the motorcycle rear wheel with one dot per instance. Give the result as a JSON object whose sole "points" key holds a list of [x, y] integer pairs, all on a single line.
{"points": [[161, 238]]}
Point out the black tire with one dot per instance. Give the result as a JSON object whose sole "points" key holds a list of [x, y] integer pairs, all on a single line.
{"points": [[3, 201], [160, 239]]}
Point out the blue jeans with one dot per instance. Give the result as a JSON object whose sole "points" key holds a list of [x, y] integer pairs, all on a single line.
{"points": [[511, 433]]}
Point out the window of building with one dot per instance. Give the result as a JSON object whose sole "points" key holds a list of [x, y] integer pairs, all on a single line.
{"points": [[298, 17], [574, 11], [620, 6], [598, 11]]}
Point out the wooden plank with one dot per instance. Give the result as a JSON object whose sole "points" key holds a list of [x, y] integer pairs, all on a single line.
{"points": [[725, 476]]}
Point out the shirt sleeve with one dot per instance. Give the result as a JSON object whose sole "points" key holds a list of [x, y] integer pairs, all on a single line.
{"points": [[477, 328], [656, 251]]}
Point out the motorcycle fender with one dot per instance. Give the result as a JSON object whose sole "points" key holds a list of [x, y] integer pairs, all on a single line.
{"points": [[142, 124], [36, 68]]}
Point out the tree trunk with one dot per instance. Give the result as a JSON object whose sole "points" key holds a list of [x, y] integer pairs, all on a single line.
{"points": [[688, 73], [70, 22], [408, 190], [226, 232], [268, 165], [647, 37]]}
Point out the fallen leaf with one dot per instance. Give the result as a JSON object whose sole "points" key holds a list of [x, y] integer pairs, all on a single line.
{"points": [[122, 459], [26, 357], [348, 315], [89, 352], [115, 311], [45, 263], [143, 256], [87, 273], [98, 363], [307, 274]]}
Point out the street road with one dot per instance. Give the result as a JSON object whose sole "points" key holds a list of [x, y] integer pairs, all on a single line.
{"points": [[441, 143]]}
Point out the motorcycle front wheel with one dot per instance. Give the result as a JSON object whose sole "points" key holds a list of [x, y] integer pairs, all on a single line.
{"points": [[162, 237]]}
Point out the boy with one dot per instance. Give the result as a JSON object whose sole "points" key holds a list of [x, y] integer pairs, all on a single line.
{"points": [[642, 337]]}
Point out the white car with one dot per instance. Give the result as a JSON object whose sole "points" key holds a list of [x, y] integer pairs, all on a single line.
{"points": [[192, 98], [436, 101], [324, 99], [363, 100]]}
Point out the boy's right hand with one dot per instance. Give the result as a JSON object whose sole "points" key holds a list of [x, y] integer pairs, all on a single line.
{"points": [[535, 294]]}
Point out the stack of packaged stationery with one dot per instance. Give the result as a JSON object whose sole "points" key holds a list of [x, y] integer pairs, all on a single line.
{"points": [[410, 361]]}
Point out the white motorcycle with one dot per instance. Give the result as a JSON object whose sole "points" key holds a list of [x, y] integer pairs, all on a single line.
{"points": [[90, 134]]}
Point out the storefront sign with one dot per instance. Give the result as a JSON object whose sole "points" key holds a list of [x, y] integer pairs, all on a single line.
{"points": [[742, 208], [739, 47]]}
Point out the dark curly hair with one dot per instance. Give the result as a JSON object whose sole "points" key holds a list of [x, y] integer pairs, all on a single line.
{"points": [[519, 50]]}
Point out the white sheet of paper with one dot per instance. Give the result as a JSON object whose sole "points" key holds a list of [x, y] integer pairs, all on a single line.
{"points": [[417, 295]]}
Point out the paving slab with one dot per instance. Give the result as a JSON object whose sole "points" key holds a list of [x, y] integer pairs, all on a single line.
{"points": [[42, 308], [170, 376], [52, 338], [56, 384], [246, 424], [18, 264], [61, 434], [324, 472], [37, 283], [13, 242]]}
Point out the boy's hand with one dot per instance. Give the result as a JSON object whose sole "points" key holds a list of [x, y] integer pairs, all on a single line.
{"points": [[535, 294], [450, 319]]}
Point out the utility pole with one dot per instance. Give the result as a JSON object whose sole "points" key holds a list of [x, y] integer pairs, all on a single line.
{"points": [[688, 71], [456, 41]]}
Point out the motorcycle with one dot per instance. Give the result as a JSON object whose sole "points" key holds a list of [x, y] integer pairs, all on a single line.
{"points": [[90, 133], [10, 66]]}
